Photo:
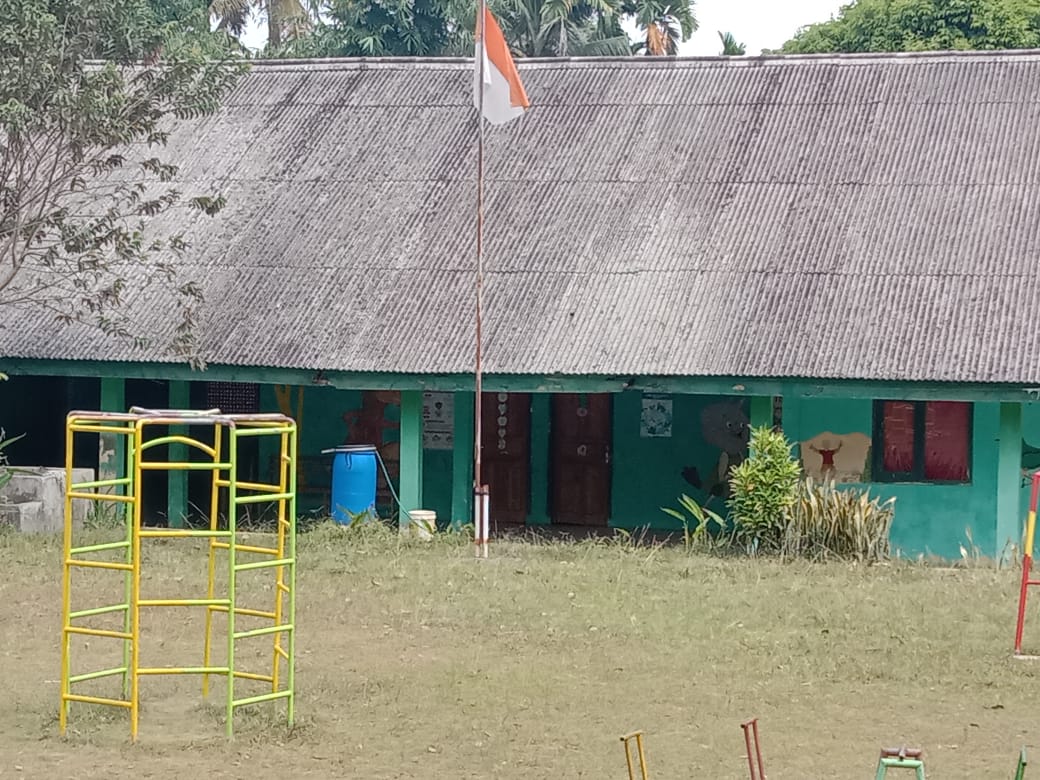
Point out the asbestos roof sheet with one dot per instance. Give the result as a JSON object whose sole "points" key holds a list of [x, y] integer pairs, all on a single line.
{"points": [[869, 217]]}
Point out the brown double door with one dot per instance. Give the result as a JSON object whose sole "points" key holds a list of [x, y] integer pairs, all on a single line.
{"points": [[505, 435], [581, 452]]}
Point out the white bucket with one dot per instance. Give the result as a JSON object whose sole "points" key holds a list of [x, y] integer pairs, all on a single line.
{"points": [[422, 523]]}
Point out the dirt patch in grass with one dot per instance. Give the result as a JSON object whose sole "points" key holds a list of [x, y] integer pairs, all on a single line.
{"points": [[416, 661]]}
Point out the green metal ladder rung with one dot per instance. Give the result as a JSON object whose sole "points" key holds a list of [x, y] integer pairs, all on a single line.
{"points": [[902, 758], [283, 694]]}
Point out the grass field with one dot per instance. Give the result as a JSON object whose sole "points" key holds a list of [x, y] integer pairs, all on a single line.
{"points": [[416, 661]]}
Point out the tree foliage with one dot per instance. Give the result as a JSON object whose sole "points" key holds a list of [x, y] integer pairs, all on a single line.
{"points": [[383, 28], [88, 89], [287, 20], [730, 47], [533, 28], [662, 23], [923, 25]]}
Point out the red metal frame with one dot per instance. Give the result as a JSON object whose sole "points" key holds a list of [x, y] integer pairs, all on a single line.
{"points": [[1027, 563], [750, 728]]}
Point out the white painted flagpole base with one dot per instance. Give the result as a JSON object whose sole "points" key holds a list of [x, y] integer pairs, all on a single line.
{"points": [[481, 526]]}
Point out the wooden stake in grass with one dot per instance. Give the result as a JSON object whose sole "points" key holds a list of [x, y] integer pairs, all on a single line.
{"points": [[638, 737], [754, 757]]}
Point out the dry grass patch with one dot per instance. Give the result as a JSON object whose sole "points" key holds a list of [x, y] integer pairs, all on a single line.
{"points": [[416, 661]]}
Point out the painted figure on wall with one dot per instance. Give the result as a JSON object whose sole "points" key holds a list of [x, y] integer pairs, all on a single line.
{"points": [[724, 425], [827, 458], [837, 457]]}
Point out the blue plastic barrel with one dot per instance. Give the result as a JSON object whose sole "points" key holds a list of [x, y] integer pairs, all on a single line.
{"points": [[353, 482]]}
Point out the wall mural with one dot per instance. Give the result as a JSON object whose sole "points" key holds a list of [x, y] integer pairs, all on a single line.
{"points": [[724, 425], [838, 457], [368, 424]]}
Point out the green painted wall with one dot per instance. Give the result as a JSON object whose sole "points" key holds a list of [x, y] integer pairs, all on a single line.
{"points": [[322, 426], [929, 519], [649, 471], [1030, 459], [436, 489]]}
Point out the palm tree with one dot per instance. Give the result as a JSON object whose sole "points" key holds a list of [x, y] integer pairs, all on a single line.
{"points": [[563, 28], [730, 47], [664, 24], [286, 19]]}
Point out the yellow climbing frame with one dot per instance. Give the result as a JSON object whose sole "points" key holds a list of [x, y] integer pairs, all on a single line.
{"points": [[138, 442]]}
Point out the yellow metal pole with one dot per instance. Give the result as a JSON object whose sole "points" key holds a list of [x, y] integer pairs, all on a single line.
{"points": [[290, 586], [130, 490], [66, 583], [232, 571], [135, 588], [626, 739], [280, 576]]}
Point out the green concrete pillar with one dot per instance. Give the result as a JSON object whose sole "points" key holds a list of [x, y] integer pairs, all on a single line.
{"points": [[111, 450], [541, 414], [411, 453], [1009, 473], [462, 461], [791, 423], [177, 481], [761, 412]]}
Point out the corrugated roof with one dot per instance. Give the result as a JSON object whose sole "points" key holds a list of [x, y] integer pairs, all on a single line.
{"points": [[870, 217]]}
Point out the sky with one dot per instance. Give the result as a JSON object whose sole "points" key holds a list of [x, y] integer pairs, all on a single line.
{"points": [[759, 24]]}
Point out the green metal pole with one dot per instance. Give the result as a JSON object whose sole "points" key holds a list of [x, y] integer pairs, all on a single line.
{"points": [[1009, 475], [462, 461], [177, 480]]}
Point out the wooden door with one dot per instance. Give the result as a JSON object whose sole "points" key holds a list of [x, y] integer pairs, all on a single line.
{"points": [[505, 434], [581, 445]]}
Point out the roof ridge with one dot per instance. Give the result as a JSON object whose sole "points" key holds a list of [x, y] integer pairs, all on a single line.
{"points": [[634, 62]]}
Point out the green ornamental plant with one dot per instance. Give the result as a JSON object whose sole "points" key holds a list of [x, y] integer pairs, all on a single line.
{"points": [[698, 534], [762, 490]]}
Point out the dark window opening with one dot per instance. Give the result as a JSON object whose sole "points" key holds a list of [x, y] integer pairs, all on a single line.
{"points": [[922, 441]]}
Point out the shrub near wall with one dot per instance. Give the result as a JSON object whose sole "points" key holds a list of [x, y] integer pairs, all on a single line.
{"points": [[844, 522], [762, 490], [774, 510]]}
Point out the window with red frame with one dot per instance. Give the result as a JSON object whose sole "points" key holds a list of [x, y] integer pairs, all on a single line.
{"points": [[922, 441]]}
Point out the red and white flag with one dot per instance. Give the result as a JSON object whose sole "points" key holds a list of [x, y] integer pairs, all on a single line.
{"points": [[504, 96]]}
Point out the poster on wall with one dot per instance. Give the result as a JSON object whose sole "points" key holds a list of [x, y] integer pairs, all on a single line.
{"points": [[656, 418], [438, 421]]}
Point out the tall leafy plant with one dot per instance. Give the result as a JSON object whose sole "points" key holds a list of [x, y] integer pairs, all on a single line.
{"points": [[845, 523], [696, 522], [763, 488]]}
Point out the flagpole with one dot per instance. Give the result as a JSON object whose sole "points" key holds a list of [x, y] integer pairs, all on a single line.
{"points": [[480, 491]]}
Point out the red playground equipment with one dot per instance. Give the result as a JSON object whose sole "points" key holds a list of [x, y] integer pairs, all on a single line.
{"points": [[1027, 564]]}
